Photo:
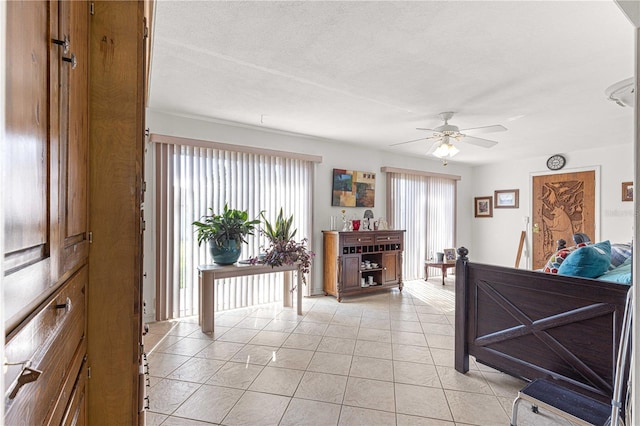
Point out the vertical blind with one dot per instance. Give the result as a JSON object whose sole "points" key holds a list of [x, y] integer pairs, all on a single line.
{"points": [[426, 207], [189, 181]]}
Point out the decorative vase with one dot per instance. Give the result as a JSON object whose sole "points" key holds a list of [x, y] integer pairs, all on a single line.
{"points": [[356, 224], [228, 254]]}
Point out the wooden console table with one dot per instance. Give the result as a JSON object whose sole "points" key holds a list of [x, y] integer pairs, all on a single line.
{"points": [[442, 265], [209, 273]]}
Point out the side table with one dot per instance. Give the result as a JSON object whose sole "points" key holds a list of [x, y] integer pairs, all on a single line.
{"points": [[442, 265]]}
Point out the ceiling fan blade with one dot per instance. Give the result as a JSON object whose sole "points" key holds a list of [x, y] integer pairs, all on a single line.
{"points": [[402, 143], [428, 130], [485, 143], [484, 129]]}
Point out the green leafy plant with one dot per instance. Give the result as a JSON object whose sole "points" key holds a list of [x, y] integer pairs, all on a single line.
{"points": [[280, 230], [283, 249], [231, 224]]}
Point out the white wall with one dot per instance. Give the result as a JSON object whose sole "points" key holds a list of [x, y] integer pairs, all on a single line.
{"points": [[495, 240], [335, 154]]}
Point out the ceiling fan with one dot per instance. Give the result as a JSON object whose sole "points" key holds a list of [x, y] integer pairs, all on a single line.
{"points": [[443, 135]]}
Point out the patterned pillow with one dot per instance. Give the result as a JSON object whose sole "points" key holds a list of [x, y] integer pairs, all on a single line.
{"points": [[554, 262], [619, 254]]}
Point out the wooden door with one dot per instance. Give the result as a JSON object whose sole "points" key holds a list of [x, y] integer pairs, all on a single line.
{"points": [[350, 272], [563, 204], [390, 268], [30, 159]]}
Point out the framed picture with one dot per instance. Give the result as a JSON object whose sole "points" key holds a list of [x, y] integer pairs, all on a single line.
{"points": [[627, 191], [483, 206], [507, 199], [353, 189], [449, 255]]}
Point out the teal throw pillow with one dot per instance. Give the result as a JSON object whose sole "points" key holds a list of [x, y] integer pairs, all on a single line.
{"points": [[621, 274], [589, 262]]}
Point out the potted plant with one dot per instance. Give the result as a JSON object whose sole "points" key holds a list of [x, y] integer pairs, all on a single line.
{"points": [[283, 249], [225, 233]]}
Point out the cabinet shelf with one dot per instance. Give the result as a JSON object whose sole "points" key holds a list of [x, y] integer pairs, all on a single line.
{"points": [[344, 252]]}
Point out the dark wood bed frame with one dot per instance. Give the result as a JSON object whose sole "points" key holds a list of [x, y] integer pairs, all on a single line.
{"points": [[536, 325]]}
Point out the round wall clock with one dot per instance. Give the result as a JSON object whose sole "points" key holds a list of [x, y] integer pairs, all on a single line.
{"points": [[556, 162]]}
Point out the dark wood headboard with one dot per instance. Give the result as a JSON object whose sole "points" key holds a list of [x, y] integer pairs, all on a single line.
{"points": [[532, 325]]}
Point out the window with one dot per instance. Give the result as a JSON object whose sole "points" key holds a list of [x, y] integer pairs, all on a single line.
{"points": [[425, 206], [190, 180]]}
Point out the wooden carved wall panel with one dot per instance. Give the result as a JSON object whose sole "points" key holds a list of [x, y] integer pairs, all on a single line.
{"points": [[563, 204]]}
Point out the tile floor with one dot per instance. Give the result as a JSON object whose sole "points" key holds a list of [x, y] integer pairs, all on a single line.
{"points": [[380, 359]]}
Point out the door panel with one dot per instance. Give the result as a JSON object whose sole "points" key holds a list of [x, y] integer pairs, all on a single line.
{"points": [[563, 204]]}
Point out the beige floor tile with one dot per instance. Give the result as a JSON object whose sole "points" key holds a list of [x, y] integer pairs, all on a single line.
{"points": [[289, 315], [168, 395], [422, 401], [409, 326], [373, 349], [218, 331], [342, 331], [256, 408], [255, 354], [279, 381], [254, 323], [220, 350], [379, 324], [161, 327], [315, 316], [371, 368], [367, 393], [443, 357], [475, 408], [429, 318], [183, 329], [314, 328], [324, 362], [186, 346], [443, 329], [269, 338], [281, 325], [267, 312], [209, 404], [181, 421], [165, 342], [416, 374], [227, 321], [337, 345], [405, 316], [296, 359], [410, 353], [374, 335], [406, 420], [428, 309], [238, 335], [350, 310], [405, 338], [355, 416], [161, 364], [302, 341], [503, 384], [348, 320], [155, 419], [440, 341], [379, 314], [197, 370], [472, 381], [235, 375], [322, 387], [310, 413]]}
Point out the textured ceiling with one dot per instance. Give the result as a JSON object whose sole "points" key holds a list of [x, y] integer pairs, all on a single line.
{"points": [[369, 73]]}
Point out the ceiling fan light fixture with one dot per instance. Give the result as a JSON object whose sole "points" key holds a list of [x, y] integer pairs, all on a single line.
{"points": [[445, 150]]}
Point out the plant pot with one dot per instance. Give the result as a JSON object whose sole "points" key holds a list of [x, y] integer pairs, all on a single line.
{"points": [[228, 254]]}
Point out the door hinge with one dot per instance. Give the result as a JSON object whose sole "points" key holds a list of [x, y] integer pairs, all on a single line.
{"points": [[90, 237], [88, 372], [92, 9]]}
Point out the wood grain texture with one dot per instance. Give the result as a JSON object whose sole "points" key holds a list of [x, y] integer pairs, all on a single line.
{"points": [[330, 263], [115, 170], [536, 325]]}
